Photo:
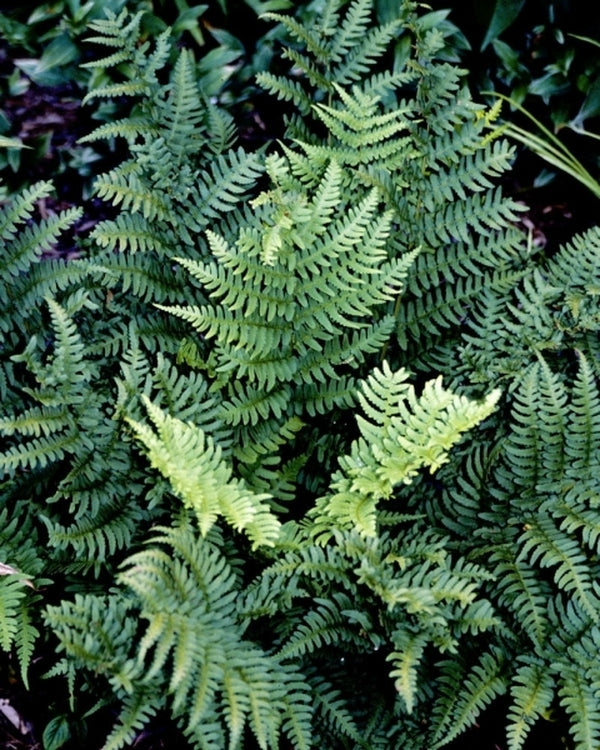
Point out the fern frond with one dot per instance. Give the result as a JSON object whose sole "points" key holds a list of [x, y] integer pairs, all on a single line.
{"points": [[67, 364], [576, 518], [188, 594], [225, 184], [184, 111], [193, 464], [457, 708], [298, 712], [98, 534], [36, 422], [13, 589], [148, 277], [310, 37], [40, 452], [136, 711], [352, 29], [323, 627], [576, 263], [532, 693], [365, 55], [333, 713], [580, 700], [134, 233], [113, 29], [23, 250], [583, 443], [116, 90], [544, 543], [20, 209], [340, 54], [130, 128], [418, 432], [285, 90], [406, 661], [525, 593], [125, 188]]}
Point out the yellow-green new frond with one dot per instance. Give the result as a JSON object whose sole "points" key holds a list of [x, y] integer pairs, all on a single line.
{"points": [[193, 464], [405, 661], [405, 435]]}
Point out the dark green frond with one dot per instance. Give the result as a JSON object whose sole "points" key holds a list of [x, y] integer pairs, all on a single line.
{"points": [[464, 693]]}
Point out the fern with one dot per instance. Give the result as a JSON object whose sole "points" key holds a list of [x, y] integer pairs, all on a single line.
{"points": [[446, 212], [340, 51], [536, 509], [208, 489], [135, 713], [532, 693], [22, 573], [21, 248], [186, 596], [459, 708], [288, 335], [579, 699], [225, 431], [406, 662], [407, 434]]}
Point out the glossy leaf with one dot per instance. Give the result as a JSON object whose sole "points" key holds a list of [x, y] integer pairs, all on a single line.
{"points": [[505, 12]]}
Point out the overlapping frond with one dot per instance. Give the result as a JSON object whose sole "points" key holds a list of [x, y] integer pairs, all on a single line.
{"points": [[372, 563], [192, 463], [403, 433]]}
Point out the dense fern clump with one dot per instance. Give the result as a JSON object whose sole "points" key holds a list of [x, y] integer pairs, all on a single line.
{"points": [[303, 449]]}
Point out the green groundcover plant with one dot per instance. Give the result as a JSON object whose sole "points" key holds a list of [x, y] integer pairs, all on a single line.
{"points": [[303, 450]]}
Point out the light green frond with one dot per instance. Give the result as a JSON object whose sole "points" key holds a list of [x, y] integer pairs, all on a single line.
{"points": [[191, 461], [532, 693], [406, 660], [412, 433]]}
